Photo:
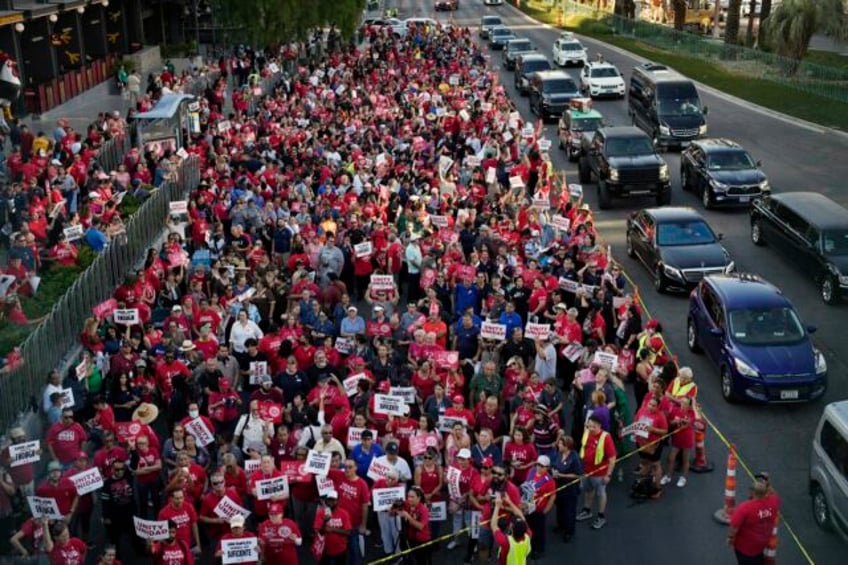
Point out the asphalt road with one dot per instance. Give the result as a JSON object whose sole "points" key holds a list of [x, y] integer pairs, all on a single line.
{"points": [[772, 438]]}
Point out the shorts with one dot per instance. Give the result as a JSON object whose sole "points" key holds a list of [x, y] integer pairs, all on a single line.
{"points": [[654, 457], [486, 538], [595, 484]]}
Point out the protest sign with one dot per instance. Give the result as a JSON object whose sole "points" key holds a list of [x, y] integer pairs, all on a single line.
{"points": [[537, 331], [271, 411], [382, 282], [350, 383], [344, 345], [516, 182], [178, 207], [23, 453], [491, 175], [258, 369], [44, 507], [568, 285], [446, 423], [607, 360], [318, 462], [74, 233], [295, 472], [6, 282], [127, 316], [541, 203], [405, 392], [561, 223], [363, 249], [575, 190], [453, 80], [67, 398], [507, 136], [544, 144], [252, 465], [438, 511], [490, 330], [378, 470], [223, 126], [639, 428], [87, 481], [201, 432], [476, 518], [104, 308], [486, 106], [390, 405], [446, 359], [242, 550], [81, 370], [383, 498], [354, 436], [527, 131], [267, 489], [453, 477], [572, 351], [151, 529], [325, 485], [227, 508], [418, 444], [439, 221]]}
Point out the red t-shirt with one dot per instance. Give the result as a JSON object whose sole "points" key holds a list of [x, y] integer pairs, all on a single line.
{"points": [[64, 492], [353, 493], [589, 450], [276, 540], [421, 514], [174, 553], [260, 507], [334, 544], [521, 454], [207, 508], [66, 441], [502, 541], [754, 521], [72, 553], [184, 517]]}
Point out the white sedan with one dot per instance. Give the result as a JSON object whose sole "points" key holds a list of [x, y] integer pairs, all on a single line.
{"points": [[601, 79]]}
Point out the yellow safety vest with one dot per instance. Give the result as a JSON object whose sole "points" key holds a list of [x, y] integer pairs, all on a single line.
{"points": [[678, 391], [518, 551], [599, 451]]}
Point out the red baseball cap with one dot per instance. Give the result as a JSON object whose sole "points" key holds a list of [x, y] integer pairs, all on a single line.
{"points": [[458, 399], [656, 343], [275, 509]]}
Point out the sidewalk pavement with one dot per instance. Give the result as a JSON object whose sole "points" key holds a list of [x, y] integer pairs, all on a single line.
{"points": [[81, 110]]}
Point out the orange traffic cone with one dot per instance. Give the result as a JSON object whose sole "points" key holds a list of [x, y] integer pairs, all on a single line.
{"points": [[700, 463], [770, 552], [723, 514]]}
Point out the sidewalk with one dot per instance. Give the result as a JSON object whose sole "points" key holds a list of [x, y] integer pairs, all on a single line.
{"points": [[81, 110]]}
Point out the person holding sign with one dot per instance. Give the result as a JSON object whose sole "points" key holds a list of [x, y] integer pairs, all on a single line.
{"points": [[279, 537], [171, 551], [334, 524], [237, 533], [266, 471], [61, 489], [61, 547], [415, 517]]}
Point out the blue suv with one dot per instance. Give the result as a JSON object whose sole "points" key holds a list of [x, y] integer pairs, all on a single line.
{"points": [[752, 333]]}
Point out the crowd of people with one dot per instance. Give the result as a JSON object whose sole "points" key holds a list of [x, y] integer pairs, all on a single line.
{"points": [[384, 324]]}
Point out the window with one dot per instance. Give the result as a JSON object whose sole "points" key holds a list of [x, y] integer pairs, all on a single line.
{"points": [[766, 326], [712, 306], [836, 448]]}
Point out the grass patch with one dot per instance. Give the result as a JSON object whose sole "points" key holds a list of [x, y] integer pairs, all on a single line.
{"points": [[827, 59], [766, 93]]}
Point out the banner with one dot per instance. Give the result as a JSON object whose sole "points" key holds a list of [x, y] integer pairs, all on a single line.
{"points": [[295, 472], [127, 316], [438, 511], [446, 423], [639, 428], [446, 359], [151, 529], [419, 444], [87, 481], [607, 360], [378, 470], [383, 498], [382, 282], [405, 392], [23, 453], [452, 477], [493, 331], [201, 432], [44, 507], [390, 405], [242, 550], [354, 436], [178, 207], [363, 249], [318, 462], [537, 331], [227, 508], [267, 489], [350, 384]]}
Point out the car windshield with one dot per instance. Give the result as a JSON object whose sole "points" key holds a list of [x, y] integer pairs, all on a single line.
{"points": [[604, 72], [730, 161], [836, 242], [679, 107], [585, 124], [516, 46], [629, 146], [491, 21], [533, 66], [498, 31], [572, 46], [559, 85], [766, 326], [695, 232]]}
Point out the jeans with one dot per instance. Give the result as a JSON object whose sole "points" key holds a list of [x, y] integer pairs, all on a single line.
{"points": [[566, 510], [537, 523], [354, 556], [147, 492], [389, 532], [303, 513]]}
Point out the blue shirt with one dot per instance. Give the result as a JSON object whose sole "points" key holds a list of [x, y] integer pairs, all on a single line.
{"points": [[355, 326], [96, 239], [511, 321], [465, 297], [363, 459]]}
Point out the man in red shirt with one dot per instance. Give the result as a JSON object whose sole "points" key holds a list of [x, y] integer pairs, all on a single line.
{"points": [[167, 370], [184, 516], [334, 523], [279, 537], [237, 533], [66, 438], [598, 454], [60, 488], [539, 497], [354, 497], [62, 548], [172, 551], [215, 526], [266, 471], [752, 523]]}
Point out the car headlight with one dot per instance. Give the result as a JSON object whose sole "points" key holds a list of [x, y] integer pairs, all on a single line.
{"points": [[664, 172], [664, 130], [613, 174], [744, 369], [821, 362], [765, 185], [672, 272], [702, 130], [843, 279], [718, 185]]}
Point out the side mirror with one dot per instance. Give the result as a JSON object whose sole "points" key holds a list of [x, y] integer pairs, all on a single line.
{"points": [[716, 332], [811, 329], [706, 110], [759, 163]]}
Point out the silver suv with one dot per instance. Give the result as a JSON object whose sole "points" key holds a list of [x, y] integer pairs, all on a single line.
{"points": [[829, 469]]}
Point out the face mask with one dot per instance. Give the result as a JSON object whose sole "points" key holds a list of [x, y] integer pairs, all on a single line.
{"points": [[193, 413]]}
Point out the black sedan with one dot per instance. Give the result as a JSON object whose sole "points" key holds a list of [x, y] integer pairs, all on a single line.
{"points": [[722, 173], [677, 245], [499, 36], [446, 5]]}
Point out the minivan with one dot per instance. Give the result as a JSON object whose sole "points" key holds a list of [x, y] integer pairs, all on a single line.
{"points": [[551, 92], [525, 66], [829, 469], [666, 105]]}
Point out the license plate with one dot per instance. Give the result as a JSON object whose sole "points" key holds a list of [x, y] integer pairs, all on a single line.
{"points": [[744, 199], [789, 395]]}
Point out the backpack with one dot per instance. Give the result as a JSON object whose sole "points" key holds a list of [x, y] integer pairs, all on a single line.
{"points": [[644, 488]]}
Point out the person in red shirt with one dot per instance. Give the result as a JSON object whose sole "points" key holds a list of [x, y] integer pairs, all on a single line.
{"points": [[145, 465], [598, 454], [279, 537], [66, 438], [184, 516], [461, 507], [214, 525], [63, 253], [354, 498], [334, 524], [60, 488], [236, 532], [267, 470], [752, 523], [541, 488], [189, 477], [416, 525], [108, 454], [650, 447], [85, 502], [458, 410], [172, 551], [62, 548], [511, 534]]}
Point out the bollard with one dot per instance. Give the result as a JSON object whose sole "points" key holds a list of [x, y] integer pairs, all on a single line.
{"points": [[700, 464], [722, 515], [770, 552]]}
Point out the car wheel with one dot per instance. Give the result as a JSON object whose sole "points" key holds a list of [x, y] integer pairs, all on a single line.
{"points": [[628, 246], [584, 171], [692, 336], [757, 233], [604, 195], [821, 509], [829, 290], [659, 279], [706, 198], [727, 385]]}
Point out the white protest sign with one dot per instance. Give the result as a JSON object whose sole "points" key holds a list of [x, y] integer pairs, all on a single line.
{"points": [[438, 511], [537, 331], [344, 345], [542, 203], [606, 360], [363, 249], [446, 423], [476, 518], [405, 392], [258, 369], [527, 131], [572, 351], [561, 223], [182, 153], [639, 428], [201, 432], [489, 330], [473, 161], [515, 116], [252, 465], [516, 182], [87, 481], [23, 453], [486, 106], [491, 175], [568, 285], [464, 115], [243, 550], [544, 144], [618, 301], [151, 529], [128, 316], [453, 80], [178, 207], [382, 282], [227, 508], [6, 281], [325, 485], [318, 462], [350, 384], [354, 436], [81, 370], [223, 126], [383, 498], [575, 190], [378, 469], [246, 294], [267, 489], [67, 398], [390, 405], [445, 164], [74, 233], [439, 221], [507, 136], [44, 507], [453, 477]]}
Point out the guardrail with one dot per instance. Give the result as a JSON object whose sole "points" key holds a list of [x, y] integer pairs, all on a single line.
{"points": [[47, 346], [748, 63]]}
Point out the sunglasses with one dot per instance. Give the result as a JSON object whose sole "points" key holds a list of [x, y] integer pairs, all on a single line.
{"points": [[428, 457], [217, 483], [498, 475]]}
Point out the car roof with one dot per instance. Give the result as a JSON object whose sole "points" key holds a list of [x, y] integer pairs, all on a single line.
{"points": [[519, 39], [674, 213], [717, 144], [744, 291], [490, 18], [590, 114], [623, 131], [533, 57], [553, 74], [598, 65], [816, 208]]}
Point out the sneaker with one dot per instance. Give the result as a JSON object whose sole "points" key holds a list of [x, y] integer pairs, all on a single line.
{"points": [[599, 523], [452, 544], [584, 515], [666, 479], [681, 482]]}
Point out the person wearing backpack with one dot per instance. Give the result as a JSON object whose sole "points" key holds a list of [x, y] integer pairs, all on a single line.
{"points": [[538, 494]]}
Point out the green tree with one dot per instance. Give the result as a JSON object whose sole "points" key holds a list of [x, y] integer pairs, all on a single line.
{"points": [[679, 9], [731, 24], [790, 27]]}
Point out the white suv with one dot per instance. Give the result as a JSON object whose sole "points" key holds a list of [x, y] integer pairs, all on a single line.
{"points": [[568, 51], [601, 79]]}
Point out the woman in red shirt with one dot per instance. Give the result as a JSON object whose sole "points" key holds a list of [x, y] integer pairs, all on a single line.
{"points": [[519, 455], [416, 520], [650, 448], [682, 419]]}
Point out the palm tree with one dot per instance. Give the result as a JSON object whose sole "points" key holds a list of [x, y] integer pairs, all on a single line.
{"points": [[791, 25], [731, 26]]}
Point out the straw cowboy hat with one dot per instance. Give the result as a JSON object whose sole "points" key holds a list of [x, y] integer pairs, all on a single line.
{"points": [[146, 413]]}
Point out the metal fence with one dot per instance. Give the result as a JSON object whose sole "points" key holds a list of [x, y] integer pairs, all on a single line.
{"points": [[747, 63], [48, 345], [111, 153]]}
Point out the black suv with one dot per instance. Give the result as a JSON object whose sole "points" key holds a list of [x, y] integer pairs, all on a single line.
{"points": [[551, 92], [677, 245], [812, 230], [626, 163], [722, 172], [525, 66]]}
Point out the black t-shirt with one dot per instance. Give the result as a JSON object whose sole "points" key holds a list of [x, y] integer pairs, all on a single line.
{"points": [[244, 361]]}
